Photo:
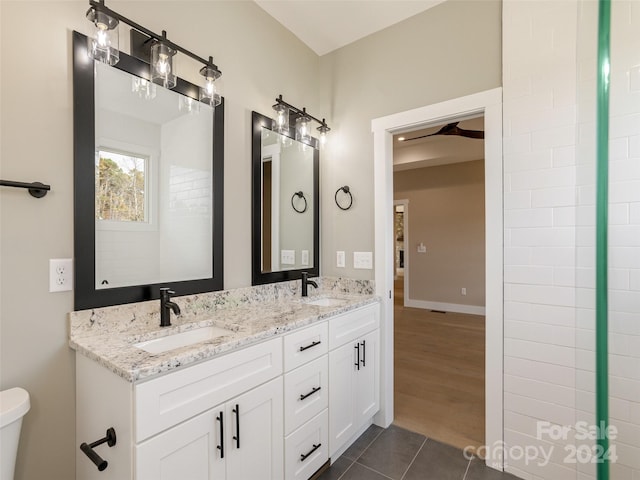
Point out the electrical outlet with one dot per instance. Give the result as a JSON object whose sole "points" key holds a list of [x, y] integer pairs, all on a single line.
{"points": [[340, 259], [463, 291], [60, 274], [304, 257]]}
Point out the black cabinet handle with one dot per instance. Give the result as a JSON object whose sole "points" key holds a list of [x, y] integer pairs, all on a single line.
{"points": [[304, 456], [237, 435], [302, 349], [357, 347], [315, 389], [221, 446], [364, 353]]}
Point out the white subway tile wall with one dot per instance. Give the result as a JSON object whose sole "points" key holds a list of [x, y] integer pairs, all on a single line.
{"points": [[549, 65]]}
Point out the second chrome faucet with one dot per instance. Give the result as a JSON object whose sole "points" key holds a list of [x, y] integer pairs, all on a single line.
{"points": [[166, 306]]}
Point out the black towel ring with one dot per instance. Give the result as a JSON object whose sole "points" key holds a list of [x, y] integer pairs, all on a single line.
{"points": [[299, 195], [347, 191]]}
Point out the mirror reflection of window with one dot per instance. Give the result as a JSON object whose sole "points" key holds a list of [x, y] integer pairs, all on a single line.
{"points": [[121, 186]]}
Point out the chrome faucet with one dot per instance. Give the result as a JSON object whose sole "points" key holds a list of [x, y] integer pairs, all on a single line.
{"points": [[306, 282], [166, 305]]}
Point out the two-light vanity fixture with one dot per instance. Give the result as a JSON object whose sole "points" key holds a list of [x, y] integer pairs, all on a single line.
{"points": [[286, 113], [156, 49]]}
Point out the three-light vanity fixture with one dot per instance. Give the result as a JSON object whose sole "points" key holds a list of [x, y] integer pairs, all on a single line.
{"points": [[149, 46], [286, 112]]}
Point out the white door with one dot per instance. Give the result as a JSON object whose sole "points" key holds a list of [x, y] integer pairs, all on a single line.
{"points": [[188, 451], [368, 378], [342, 395], [254, 436]]}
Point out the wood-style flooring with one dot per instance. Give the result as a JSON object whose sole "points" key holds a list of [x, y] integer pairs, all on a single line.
{"points": [[439, 374]]}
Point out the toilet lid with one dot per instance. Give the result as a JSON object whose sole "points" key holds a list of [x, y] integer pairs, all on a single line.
{"points": [[14, 403]]}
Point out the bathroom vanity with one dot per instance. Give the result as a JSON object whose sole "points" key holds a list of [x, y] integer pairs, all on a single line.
{"points": [[283, 384]]}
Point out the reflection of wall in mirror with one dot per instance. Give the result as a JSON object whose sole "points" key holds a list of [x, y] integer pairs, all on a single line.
{"points": [[126, 255], [296, 229], [186, 212]]}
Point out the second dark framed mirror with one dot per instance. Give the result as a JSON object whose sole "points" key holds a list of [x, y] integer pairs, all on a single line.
{"points": [[285, 204]]}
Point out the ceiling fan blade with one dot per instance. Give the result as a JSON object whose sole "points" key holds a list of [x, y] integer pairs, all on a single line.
{"points": [[453, 129]]}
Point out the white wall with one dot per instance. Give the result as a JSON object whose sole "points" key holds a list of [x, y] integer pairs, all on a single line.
{"points": [[549, 71], [448, 51], [259, 60]]}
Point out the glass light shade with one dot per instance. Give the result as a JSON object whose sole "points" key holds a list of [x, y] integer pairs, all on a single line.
{"points": [[302, 129], [323, 129], [103, 45], [209, 93], [188, 105], [281, 120], [162, 69], [143, 88]]}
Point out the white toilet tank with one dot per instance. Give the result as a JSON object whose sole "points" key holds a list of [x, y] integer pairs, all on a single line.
{"points": [[14, 404]]}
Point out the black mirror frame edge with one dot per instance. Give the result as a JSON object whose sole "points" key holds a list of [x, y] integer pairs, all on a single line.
{"points": [[86, 295], [257, 276]]}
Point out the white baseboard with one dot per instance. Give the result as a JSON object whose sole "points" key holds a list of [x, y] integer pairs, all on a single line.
{"points": [[445, 307]]}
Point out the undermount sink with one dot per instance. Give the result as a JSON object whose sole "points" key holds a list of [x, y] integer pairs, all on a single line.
{"points": [[182, 339], [326, 302]]}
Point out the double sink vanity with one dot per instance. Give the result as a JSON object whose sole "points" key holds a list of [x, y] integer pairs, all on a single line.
{"points": [[253, 383]]}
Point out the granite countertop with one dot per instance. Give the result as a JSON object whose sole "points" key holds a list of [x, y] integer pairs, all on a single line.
{"points": [[108, 335]]}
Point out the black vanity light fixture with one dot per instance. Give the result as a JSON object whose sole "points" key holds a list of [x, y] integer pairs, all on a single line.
{"points": [[146, 45], [285, 112]]}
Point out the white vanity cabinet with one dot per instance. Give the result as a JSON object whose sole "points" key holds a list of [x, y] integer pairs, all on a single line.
{"points": [[185, 424], [306, 398], [354, 373]]}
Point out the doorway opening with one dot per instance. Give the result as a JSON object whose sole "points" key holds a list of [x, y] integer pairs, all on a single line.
{"points": [[440, 289], [489, 104]]}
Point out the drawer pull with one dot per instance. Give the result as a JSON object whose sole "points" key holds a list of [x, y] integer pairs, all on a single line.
{"points": [[237, 435], [315, 389], [313, 344], [364, 353], [304, 456], [221, 446], [357, 347]]}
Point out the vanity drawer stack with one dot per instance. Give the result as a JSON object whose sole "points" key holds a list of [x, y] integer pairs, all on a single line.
{"points": [[306, 398]]}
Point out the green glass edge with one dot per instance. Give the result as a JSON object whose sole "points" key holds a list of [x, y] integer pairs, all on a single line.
{"points": [[602, 205]]}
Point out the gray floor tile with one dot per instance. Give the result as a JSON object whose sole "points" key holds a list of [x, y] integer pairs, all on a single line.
{"points": [[360, 472], [392, 452], [359, 446], [479, 471], [336, 470], [437, 461]]}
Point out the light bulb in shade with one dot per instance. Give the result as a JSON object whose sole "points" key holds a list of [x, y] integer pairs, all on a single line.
{"points": [[209, 93], [323, 129], [302, 129], [162, 71], [103, 45], [282, 118]]}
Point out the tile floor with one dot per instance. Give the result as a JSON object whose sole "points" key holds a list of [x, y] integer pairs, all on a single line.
{"points": [[398, 454]]}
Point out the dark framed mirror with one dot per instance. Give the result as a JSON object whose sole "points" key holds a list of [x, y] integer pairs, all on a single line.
{"points": [[285, 204], [148, 184]]}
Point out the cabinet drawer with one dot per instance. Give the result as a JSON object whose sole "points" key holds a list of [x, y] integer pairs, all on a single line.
{"points": [[305, 345], [305, 393], [306, 449], [352, 325], [168, 400]]}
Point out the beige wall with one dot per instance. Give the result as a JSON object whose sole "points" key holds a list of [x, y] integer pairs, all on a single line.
{"points": [[259, 60], [446, 213], [451, 50]]}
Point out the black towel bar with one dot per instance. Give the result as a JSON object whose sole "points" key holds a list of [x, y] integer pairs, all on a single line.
{"points": [[36, 189]]}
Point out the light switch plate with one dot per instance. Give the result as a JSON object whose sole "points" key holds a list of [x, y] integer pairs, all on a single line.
{"points": [[340, 259], [363, 260], [60, 274], [304, 257], [288, 257]]}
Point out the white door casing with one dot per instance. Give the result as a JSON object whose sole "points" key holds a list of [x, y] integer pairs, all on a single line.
{"points": [[489, 104]]}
